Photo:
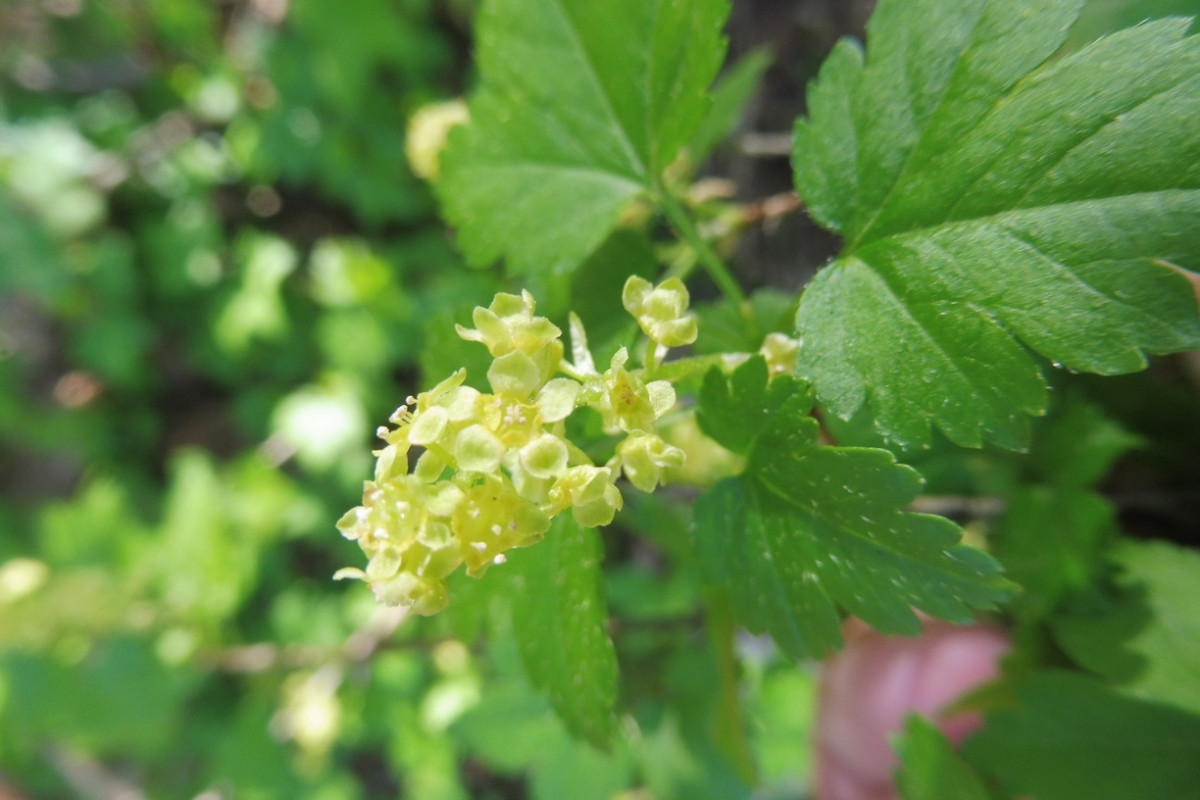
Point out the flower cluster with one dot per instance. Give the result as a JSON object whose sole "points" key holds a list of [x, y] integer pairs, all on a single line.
{"points": [[492, 469]]}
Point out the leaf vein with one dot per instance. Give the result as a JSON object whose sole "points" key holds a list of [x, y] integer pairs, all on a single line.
{"points": [[1066, 269], [916, 145], [904, 308], [623, 135], [1117, 117], [573, 170], [1001, 217]]}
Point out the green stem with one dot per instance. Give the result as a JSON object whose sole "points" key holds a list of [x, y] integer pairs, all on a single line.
{"points": [[682, 368], [729, 727], [568, 369], [682, 222], [654, 358]]}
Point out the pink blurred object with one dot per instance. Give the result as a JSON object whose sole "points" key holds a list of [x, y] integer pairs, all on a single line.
{"points": [[877, 680]]}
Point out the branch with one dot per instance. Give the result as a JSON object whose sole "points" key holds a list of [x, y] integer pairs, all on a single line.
{"points": [[262, 656]]}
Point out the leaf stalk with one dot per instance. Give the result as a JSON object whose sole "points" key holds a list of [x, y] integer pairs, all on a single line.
{"points": [[685, 227]]}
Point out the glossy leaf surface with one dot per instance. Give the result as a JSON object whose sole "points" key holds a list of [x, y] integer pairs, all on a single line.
{"points": [[993, 203], [582, 105], [807, 526]]}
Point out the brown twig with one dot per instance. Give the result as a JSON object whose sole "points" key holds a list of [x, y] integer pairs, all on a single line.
{"points": [[956, 506], [770, 209], [766, 145], [262, 656], [89, 778]]}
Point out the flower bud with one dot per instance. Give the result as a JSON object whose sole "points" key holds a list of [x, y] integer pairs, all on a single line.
{"points": [[590, 494], [508, 325], [643, 458], [661, 312], [780, 352], [426, 135], [425, 596], [402, 527]]}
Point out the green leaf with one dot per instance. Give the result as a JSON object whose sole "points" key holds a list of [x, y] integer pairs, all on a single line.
{"points": [[729, 98], [559, 618], [723, 327], [426, 757], [808, 525], [257, 310], [1080, 445], [89, 705], [1070, 738], [929, 767], [204, 565], [1055, 531], [681, 749], [1101, 17], [734, 412], [596, 290], [1052, 543], [783, 711], [582, 106], [509, 728], [567, 768], [1149, 639], [98, 525], [675, 765], [993, 204], [247, 754]]}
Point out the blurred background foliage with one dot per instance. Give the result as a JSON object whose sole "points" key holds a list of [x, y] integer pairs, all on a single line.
{"points": [[217, 274]]}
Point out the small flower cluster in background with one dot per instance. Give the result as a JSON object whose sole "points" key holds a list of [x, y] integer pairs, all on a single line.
{"points": [[493, 469]]}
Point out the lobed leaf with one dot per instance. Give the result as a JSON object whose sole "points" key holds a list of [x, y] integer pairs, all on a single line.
{"points": [[1148, 639], [734, 411], [730, 97], [993, 204], [1070, 738], [582, 105], [808, 526], [1053, 542]]}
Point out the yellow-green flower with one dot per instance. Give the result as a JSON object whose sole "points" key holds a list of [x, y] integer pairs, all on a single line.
{"points": [[403, 526], [644, 456], [780, 352], [431, 420], [426, 135], [661, 311], [508, 325], [624, 400], [590, 494], [493, 518], [494, 468]]}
